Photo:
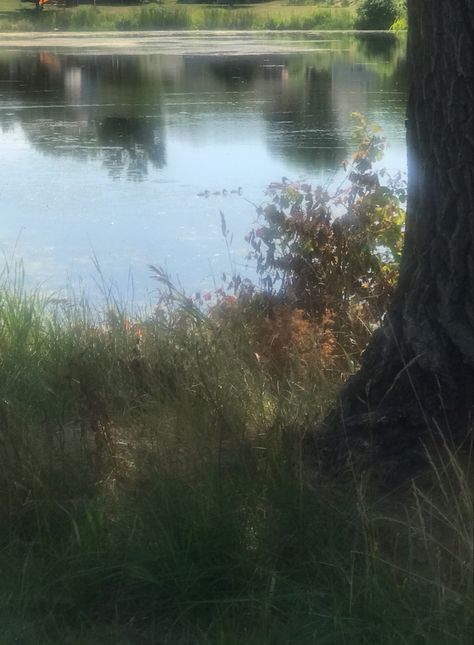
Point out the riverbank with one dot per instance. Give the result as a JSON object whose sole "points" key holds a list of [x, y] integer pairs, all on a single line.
{"points": [[275, 15]]}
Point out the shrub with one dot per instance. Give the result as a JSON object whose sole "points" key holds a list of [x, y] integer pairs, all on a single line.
{"points": [[376, 14], [334, 256], [400, 24]]}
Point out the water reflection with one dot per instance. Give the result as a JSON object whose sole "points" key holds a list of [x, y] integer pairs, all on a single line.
{"points": [[75, 106], [113, 135], [130, 144], [302, 122], [111, 107], [230, 72], [374, 45]]}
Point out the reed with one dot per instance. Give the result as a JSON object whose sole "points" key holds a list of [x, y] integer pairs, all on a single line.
{"points": [[178, 16], [154, 486]]}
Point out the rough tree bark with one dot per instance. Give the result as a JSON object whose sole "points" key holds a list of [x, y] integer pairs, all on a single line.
{"points": [[416, 376]]}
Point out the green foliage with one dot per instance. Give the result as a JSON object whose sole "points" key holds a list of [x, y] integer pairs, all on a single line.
{"points": [[400, 24], [158, 16], [321, 3], [85, 18], [376, 14]]}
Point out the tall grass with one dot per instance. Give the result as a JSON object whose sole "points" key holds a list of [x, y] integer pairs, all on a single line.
{"points": [[153, 487], [162, 17], [318, 18]]}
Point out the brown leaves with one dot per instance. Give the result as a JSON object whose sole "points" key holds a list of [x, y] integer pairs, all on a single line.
{"points": [[332, 252]]}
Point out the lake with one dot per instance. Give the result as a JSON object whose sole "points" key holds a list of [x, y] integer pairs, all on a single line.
{"points": [[110, 144]]}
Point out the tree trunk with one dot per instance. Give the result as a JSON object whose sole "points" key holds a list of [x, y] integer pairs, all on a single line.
{"points": [[416, 376]]}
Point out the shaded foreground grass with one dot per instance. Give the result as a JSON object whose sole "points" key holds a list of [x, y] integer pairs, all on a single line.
{"points": [[170, 15], [153, 490]]}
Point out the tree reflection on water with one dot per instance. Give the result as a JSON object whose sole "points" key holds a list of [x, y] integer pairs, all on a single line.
{"points": [[117, 108]]}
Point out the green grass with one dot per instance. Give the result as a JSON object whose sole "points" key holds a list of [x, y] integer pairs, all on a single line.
{"points": [[15, 16], [153, 489]]}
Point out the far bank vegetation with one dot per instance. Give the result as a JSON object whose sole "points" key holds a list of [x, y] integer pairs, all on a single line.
{"points": [[100, 15]]}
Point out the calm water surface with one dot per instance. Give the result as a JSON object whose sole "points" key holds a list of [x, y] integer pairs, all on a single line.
{"points": [[107, 154]]}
